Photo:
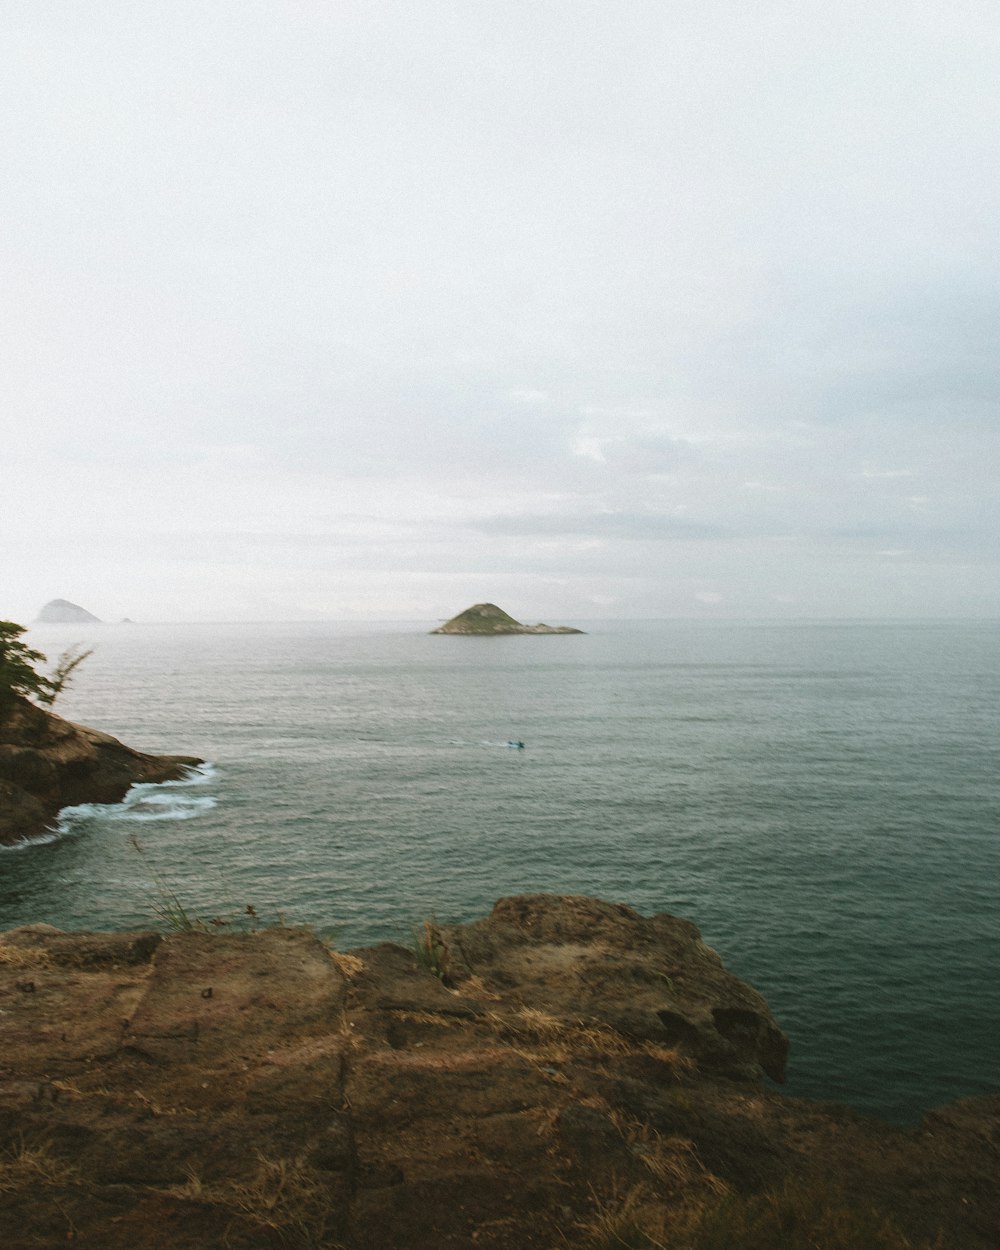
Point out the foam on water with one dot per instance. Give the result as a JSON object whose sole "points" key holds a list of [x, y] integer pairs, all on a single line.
{"points": [[146, 801], [25, 844]]}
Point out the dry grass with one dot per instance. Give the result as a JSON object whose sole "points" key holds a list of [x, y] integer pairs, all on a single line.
{"points": [[543, 1038], [528, 1026], [25, 1168], [284, 1199], [629, 1222], [475, 987], [679, 1064], [435, 1018], [23, 957], [349, 966]]}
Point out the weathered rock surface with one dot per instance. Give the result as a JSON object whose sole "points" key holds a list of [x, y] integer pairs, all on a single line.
{"points": [[251, 1090], [487, 620], [47, 763], [652, 980], [62, 612]]}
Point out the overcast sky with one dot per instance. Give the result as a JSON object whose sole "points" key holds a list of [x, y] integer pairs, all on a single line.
{"points": [[349, 308]]}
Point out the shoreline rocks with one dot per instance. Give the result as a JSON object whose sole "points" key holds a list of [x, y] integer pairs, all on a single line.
{"points": [[48, 763]]}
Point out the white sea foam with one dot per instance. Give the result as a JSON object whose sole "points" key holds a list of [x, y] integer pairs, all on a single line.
{"points": [[25, 844], [147, 801]]}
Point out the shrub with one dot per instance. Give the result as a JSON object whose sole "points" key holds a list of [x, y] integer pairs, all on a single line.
{"points": [[19, 676]]}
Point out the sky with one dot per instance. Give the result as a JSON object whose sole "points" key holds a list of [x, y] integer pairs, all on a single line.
{"points": [[352, 309]]}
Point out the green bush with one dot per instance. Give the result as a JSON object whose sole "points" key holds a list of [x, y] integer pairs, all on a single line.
{"points": [[19, 676]]}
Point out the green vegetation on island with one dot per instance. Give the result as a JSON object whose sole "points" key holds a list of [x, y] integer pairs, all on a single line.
{"points": [[486, 620]]}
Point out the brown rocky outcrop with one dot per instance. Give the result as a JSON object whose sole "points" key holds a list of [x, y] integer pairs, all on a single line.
{"points": [[652, 980], [251, 1090], [47, 763]]}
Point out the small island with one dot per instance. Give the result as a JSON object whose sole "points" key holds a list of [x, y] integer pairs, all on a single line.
{"points": [[486, 620], [62, 612]]}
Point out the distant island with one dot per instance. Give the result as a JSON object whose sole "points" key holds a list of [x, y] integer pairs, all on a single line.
{"points": [[62, 612], [487, 620]]}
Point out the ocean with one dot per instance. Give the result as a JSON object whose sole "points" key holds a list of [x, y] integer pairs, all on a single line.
{"points": [[820, 798]]}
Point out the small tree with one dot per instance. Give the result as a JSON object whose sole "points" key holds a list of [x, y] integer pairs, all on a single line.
{"points": [[62, 674], [19, 675]]}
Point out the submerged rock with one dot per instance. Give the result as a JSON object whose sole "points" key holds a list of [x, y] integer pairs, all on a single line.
{"points": [[487, 620], [47, 763], [203, 1089]]}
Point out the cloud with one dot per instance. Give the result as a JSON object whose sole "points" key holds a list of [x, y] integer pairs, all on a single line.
{"points": [[646, 527], [887, 474], [356, 286]]}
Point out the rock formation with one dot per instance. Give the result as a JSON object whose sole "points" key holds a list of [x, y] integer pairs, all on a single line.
{"points": [[62, 612], [47, 763], [487, 620], [257, 1089]]}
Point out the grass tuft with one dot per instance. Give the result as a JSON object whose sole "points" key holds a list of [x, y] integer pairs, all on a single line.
{"points": [[631, 1222], [284, 1200], [432, 951], [31, 1167]]}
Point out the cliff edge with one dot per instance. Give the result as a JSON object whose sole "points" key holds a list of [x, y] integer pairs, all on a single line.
{"points": [[563, 1073], [47, 763]]}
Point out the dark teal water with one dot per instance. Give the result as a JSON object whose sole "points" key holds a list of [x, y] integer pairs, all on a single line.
{"points": [[822, 799]]}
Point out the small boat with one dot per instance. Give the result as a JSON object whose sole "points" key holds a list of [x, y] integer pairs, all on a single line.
{"points": [[518, 746]]}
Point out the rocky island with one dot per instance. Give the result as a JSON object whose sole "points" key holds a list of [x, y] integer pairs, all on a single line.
{"points": [[47, 763], [486, 620], [62, 612], [564, 1074]]}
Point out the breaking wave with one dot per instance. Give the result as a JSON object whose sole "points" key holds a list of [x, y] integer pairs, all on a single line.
{"points": [[145, 802]]}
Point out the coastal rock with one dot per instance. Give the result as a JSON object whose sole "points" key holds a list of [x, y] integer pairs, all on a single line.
{"points": [[62, 612], [47, 763], [653, 980], [487, 620], [200, 1089]]}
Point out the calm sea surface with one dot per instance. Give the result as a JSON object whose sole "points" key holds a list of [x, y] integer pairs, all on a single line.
{"points": [[822, 799]]}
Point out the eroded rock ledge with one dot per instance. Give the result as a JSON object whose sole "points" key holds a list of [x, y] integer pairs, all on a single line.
{"points": [[47, 763], [571, 1061]]}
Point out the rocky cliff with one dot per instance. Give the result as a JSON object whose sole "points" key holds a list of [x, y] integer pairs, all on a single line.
{"points": [[564, 1073], [487, 620], [47, 763]]}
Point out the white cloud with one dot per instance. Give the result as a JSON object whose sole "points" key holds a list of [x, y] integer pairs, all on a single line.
{"points": [[350, 300], [888, 474], [591, 448]]}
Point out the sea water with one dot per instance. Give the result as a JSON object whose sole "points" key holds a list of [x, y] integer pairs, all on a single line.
{"points": [[821, 798]]}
